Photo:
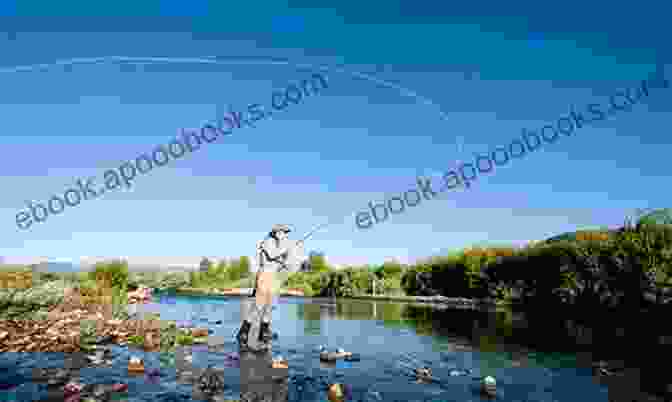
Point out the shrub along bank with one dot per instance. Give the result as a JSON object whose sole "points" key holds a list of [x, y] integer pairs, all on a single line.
{"points": [[627, 267]]}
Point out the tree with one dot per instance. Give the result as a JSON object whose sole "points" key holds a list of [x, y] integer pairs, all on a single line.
{"points": [[205, 264], [174, 280], [644, 253], [245, 266], [391, 268], [112, 273], [223, 270], [661, 216], [194, 280], [239, 268], [360, 279], [317, 262]]}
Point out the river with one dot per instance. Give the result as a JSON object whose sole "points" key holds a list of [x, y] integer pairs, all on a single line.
{"points": [[390, 337]]}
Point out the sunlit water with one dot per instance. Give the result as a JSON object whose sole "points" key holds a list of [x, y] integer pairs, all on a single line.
{"points": [[381, 332]]}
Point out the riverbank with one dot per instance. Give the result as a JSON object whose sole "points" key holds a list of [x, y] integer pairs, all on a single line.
{"points": [[75, 324], [230, 292], [457, 302]]}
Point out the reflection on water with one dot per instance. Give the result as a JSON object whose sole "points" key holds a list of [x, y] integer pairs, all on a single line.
{"points": [[260, 382], [533, 358], [501, 339]]}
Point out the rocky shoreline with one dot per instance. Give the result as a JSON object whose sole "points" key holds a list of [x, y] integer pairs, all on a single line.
{"points": [[75, 326], [61, 331], [85, 331]]}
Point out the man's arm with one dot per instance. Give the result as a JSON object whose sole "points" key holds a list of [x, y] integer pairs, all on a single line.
{"points": [[272, 252]]}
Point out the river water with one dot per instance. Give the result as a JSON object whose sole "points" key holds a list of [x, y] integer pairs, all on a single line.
{"points": [[391, 338]]}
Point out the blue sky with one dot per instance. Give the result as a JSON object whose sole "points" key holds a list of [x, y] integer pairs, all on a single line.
{"points": [[407, 86]]}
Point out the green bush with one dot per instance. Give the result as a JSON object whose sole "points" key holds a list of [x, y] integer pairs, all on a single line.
{"points": [[392, 285], [301, 280], [169, 333], [48, 277], [318, 262], [183, 338], [239, 268], [307, 290], [136, 340], [21, 303], [174, 280], [389, 269], [360, 280], [114, 272]]}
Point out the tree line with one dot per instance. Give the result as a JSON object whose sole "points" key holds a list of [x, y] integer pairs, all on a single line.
{"points": [[630, 266]]}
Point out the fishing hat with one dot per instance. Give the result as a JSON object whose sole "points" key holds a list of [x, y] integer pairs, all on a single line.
{"points": [[280, 228]]}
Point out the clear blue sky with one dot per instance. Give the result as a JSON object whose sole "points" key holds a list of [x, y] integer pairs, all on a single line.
{"points": [[407, 84]]}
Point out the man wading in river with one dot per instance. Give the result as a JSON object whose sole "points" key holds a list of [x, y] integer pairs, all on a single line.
{"points": [[276, 257]]}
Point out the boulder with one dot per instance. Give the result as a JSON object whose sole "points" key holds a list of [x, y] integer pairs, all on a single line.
{"points": [[333, 356]]}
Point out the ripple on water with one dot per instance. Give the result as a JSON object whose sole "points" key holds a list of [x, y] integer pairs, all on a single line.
{"points": [[384, 374]]}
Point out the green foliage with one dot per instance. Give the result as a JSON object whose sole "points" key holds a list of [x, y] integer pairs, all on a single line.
{"points": [[119, 304], [360, 280], [222, 275], [354, 281], [593, 269], [661, 216], [173, 280], [193, 279], [646, 250], [48, 277], [392, 285], [220, 271], [408, 281], [245, 267], [302, 280], [239, 268], [184, 338], [114, 273], [136, 340], [87, 334], [392, 268], [339, 282], [23, 303], [205, 264], [151, 279], [318, 262], [169, 333]]}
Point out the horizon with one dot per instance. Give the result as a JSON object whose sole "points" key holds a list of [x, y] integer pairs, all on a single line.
{"points": [[149, 264]]}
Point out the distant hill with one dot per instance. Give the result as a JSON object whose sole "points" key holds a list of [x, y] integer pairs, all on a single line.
{"points": [[60, 266], [580, 235], [159, 268]]}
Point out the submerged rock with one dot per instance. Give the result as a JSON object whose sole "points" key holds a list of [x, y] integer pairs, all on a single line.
{"points": [[489, 386]]}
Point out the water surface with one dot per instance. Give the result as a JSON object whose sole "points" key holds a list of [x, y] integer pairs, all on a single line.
{"points": [[392, 338]]}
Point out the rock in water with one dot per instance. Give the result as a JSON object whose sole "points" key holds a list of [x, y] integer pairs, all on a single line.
{"points": [[210, 382], [489, 386], [333, 356], [253, 342]]}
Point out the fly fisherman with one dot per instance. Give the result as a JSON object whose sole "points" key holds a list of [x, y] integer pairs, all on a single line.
{"points": [[276, 254]]}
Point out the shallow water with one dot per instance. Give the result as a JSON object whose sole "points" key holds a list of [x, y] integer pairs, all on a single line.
{"points": [[390, 338]]}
